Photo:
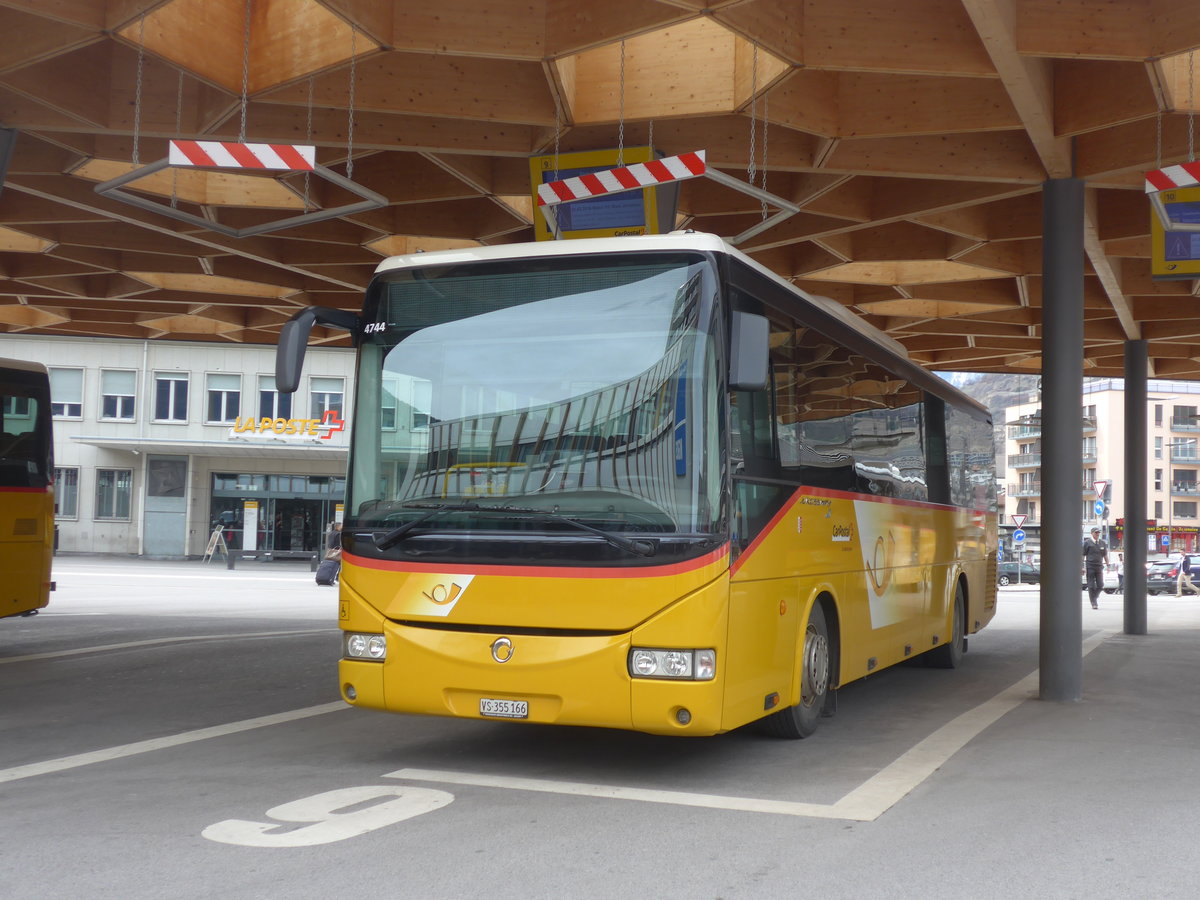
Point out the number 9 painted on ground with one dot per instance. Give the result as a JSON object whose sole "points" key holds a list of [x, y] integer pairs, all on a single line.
{"points": [[324, 820]]}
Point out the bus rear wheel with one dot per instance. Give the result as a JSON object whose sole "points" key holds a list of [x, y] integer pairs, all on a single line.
{"points": [[950, 654], [800, 721]]}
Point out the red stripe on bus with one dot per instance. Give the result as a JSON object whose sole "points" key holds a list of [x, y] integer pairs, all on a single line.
{"points": [[839, 495], [770, 527], [25, 490], [681, 568]]}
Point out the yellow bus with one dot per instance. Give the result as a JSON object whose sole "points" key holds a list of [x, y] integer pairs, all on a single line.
{"points": [[26, 488], [644, 483]]}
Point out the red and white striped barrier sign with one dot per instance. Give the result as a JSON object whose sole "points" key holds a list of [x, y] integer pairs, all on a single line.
{"points": [[1181, 176], [624, 178], [234, 155]]}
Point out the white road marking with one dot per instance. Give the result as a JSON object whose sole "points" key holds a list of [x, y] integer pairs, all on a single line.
{"points": [[865, 803], [331, 816], [31, 770], [69, 576], [151, 642]]}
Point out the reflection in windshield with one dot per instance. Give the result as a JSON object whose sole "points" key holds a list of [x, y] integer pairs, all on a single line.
{"points": [[583, 389]]}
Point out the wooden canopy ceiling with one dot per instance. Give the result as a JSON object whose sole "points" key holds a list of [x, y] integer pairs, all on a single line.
{"points": [[914, 134]]}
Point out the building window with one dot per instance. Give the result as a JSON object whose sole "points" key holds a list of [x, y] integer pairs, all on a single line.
{"points": [[1158, 508], [16, 408], [170, 396], [1158, 473], [326, 395], [66, 393], [271, 403], [1183, 418], [1158, 415], [66, 493], [224, 397], [1185, 510], [1158, 445], [117, 393], [114, 492]]}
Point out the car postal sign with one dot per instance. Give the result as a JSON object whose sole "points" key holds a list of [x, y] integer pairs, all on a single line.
{"points": [[323, 428]]}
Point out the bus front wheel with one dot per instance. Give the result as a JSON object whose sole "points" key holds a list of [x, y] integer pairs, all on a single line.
{"points": [[950, 654], [800, 721]]}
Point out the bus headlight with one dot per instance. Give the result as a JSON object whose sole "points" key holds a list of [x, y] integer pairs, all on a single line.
{"points": [[692, 665], [365, 646]]}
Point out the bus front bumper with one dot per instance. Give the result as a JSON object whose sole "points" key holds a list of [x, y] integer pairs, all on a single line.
{"points": [[549, 679]]}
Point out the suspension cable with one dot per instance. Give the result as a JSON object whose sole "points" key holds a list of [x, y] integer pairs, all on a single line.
{"points": [[350, 112], [621, 112], [137, 93], [245, 70]]}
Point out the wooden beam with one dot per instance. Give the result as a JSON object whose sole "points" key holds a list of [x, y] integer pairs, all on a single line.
{"points": [[917, 36], [1083, 28]]}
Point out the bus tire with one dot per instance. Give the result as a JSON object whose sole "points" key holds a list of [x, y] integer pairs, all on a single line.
{"points": [[800, 721], [950, 654]]}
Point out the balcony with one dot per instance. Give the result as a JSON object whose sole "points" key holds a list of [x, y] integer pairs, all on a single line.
{"points": [[1185, 488], [1185, 424], [1025, 489], [1024, 460]]}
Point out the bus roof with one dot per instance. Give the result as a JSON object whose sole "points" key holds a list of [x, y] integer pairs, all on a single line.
{"points": [[23, 365], [680, 241], [676, 240]]}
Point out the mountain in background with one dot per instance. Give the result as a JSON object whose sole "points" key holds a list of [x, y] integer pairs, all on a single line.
{"points": [[996, 391]]}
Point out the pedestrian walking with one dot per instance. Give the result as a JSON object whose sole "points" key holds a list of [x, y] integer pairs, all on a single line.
{"points": [[1185, 575], [1120, 573], [1095, 555]]}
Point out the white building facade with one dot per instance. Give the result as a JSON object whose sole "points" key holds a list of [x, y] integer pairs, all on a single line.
{"points": [[1173, 464], [160, 446]]}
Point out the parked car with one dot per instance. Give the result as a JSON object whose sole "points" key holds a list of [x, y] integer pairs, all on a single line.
{"points": [[1007, 573], [1162, 577], [1111, 582]]}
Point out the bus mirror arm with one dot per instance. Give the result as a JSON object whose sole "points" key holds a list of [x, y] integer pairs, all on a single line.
{"points": [[293, 340], [749, 352]]}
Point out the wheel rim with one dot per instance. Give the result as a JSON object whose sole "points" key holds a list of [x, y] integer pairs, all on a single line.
{"points": [[815, 677], [1004, 581]]}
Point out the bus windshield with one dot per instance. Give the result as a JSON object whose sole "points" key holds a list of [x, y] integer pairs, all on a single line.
{"points": [[538, 394]]}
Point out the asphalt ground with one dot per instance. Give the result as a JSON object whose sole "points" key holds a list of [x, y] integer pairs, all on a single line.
{"points": [[174, 730]]}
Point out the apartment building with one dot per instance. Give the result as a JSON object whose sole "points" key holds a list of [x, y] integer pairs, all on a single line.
{"points": [[1173, 431], [159, 445]]}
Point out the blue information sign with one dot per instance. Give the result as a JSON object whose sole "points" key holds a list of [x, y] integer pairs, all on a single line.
{"points": [[1019, 536], [1099, 508], [1166, 541]]}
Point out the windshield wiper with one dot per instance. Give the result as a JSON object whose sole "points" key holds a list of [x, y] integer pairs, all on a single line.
{"points": [[396, 535], [638, 548]]}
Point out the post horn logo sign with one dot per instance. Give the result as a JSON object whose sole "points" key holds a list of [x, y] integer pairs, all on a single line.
{"points": [[445, 594], [879, 570]]}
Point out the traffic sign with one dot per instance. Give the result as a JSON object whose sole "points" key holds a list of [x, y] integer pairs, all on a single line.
{"points": [[1098, 508], [1100, 487], [1019, 519], [1018, 536], [1166, 541]]}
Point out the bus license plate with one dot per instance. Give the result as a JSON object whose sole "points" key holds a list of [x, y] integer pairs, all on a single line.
{"points": [[506, 709]]}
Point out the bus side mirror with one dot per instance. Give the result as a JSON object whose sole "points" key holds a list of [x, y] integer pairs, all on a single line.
{"points": [[293, 341], [749, 352]]}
